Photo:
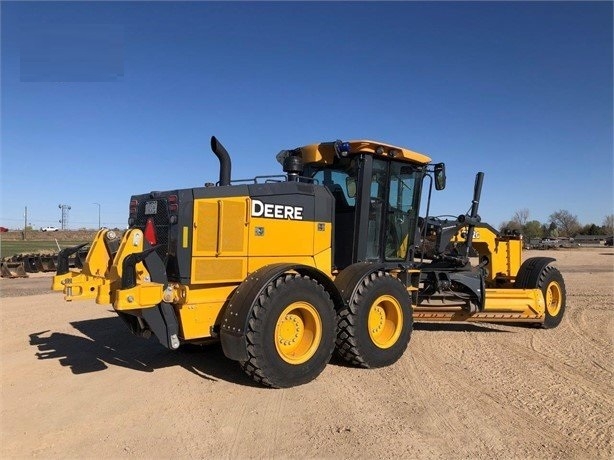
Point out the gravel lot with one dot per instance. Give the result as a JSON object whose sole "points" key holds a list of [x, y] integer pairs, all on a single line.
{"points": [[75, 383]]}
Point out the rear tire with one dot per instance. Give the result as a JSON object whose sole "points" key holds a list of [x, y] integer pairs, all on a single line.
{"points": [[291, 332], [375, 328]]}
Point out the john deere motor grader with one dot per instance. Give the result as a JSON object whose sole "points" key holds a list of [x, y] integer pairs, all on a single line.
{"points": [[330, 256]]}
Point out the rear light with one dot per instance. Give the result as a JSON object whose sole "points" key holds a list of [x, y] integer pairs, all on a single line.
{"points": [[150, 232], [172, 203], [134, 204]]}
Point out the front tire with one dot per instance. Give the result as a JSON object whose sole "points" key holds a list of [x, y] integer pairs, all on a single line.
{"points": [[375, 327], [536, 273], [553, 287], [291, 332]]}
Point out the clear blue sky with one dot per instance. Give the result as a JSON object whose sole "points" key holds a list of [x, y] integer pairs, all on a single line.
{"points": [[104, 100]]}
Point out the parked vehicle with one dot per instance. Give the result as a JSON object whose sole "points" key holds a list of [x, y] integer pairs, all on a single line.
{"points": [[49, 229], [548, 243]]}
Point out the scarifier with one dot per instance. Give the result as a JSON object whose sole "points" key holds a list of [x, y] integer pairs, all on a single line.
{"points": [[333, 255]]}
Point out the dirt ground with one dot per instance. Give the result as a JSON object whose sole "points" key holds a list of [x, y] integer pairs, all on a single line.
{"points": [[75, 383]]}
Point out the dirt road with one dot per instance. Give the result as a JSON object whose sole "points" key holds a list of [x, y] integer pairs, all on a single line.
{"points": [[75, 383]]}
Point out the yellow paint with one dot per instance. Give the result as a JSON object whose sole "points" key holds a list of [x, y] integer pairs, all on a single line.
{"points": [[57, 282], [131, 243], [211, 294], [277, 237], [84, 283], [323, 261], [554, 298], [385, 321], [504, 252], [199, 308], [82, 287], [220, 227], [298, 333], [227, 245], [141, 296], [185, 237], [197, 320], [325, 152], [215, 270], [500, 305], [254, 263], [526, 301]]}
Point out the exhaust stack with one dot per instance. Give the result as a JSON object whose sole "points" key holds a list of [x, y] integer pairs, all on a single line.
{"points": [[222, 154]]}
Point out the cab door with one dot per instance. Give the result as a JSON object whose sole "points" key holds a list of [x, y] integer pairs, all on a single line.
{"points": [[390, 198]]}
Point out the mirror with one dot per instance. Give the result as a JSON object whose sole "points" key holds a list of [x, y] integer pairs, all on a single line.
{"points": [[350, 186], [440, 176]]}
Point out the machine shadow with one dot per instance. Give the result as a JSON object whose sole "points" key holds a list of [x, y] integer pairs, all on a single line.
{"points": [[106, 342]]}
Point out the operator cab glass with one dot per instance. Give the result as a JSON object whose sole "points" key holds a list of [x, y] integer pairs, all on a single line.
{"points": [[341, 180], [393, 209], [379, 229]]}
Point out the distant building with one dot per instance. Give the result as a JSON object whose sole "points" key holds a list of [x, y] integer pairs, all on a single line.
{"points": [[590, 240]]}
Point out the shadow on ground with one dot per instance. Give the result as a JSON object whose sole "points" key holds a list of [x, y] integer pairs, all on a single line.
{"points": [[107, 342]]}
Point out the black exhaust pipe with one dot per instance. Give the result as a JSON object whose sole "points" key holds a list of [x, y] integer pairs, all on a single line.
{"points": [[222, 154]]}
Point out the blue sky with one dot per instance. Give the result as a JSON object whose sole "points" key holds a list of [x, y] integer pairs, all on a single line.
{"points": [[104, 100]]}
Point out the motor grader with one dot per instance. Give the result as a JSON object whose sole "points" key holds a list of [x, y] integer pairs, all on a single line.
{"points": [[331, 256]]}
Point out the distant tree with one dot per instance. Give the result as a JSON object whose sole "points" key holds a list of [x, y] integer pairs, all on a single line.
{"points": [[591, 229], [549, 230], [510, 225], [533, 229], [521, 217], [545, 230], [565, 222], [608, 225]]}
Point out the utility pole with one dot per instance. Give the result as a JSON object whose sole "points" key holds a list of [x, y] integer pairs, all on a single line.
{"points": [[98, 204], [25, 223]]}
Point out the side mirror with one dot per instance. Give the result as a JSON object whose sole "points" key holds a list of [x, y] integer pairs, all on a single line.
{"points": [[440, 176], [350, 185]]}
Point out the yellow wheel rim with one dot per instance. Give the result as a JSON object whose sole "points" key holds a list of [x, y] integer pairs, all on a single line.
{"points": [[554, 298], [385, 321], [298, 333]]}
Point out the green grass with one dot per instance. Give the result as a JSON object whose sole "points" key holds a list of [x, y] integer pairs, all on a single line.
{"points": [[9, 248]]}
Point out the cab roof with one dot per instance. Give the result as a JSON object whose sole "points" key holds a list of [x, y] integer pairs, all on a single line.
{"points": [[325, 152]]}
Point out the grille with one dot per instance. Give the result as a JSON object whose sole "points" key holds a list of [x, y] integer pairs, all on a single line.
{"points": [[161, 222]]}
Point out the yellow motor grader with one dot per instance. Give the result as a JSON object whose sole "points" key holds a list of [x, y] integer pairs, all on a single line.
{"points": [[332, 255]]}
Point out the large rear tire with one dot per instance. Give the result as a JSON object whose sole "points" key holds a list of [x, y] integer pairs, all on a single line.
{"points": [[291, 332], [375, 327]]}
